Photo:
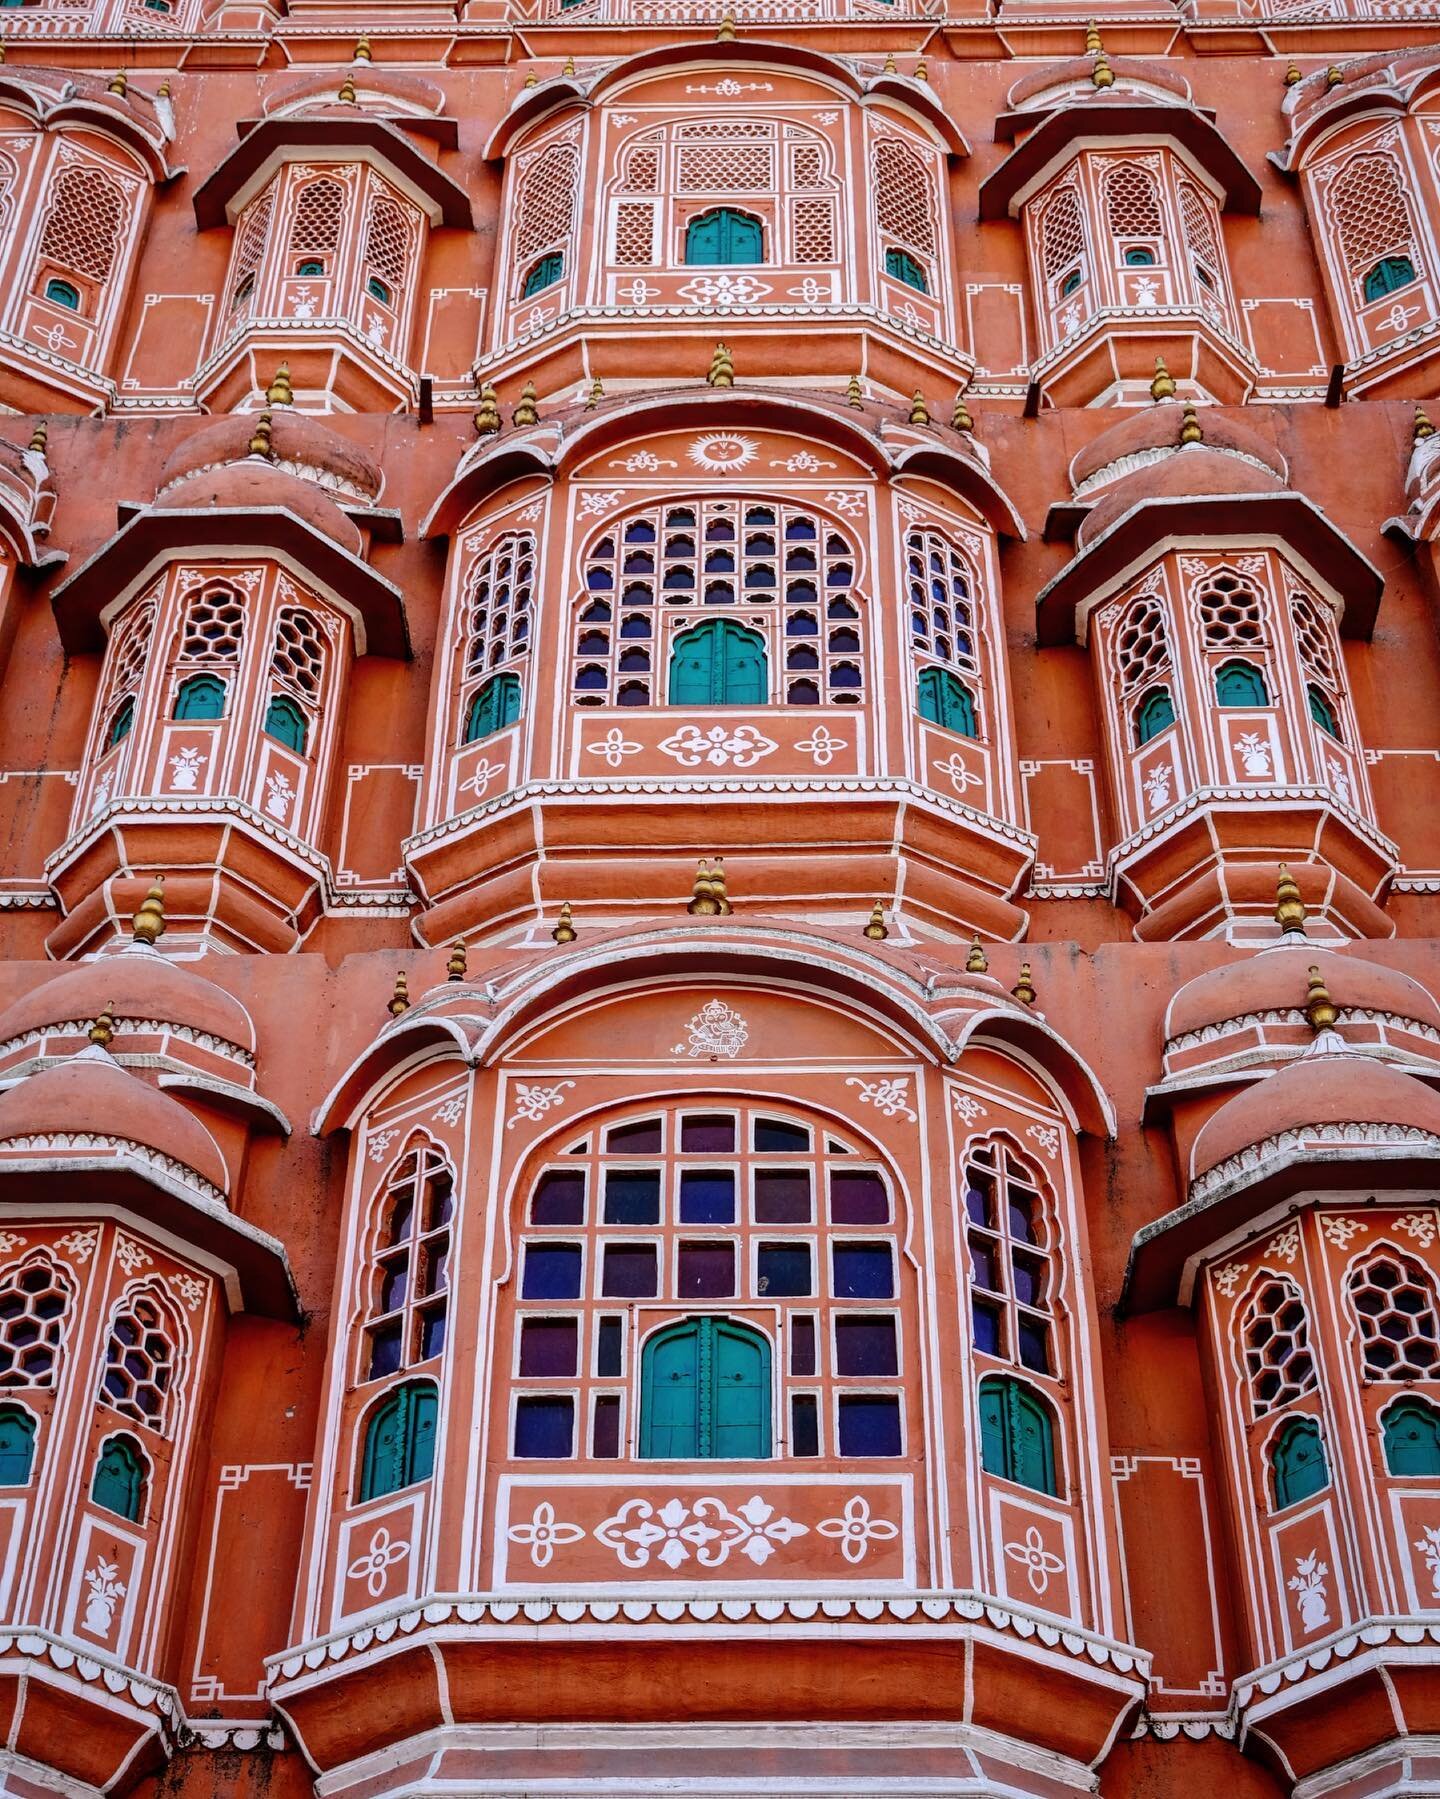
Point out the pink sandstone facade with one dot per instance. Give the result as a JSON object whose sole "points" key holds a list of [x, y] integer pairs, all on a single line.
{"points": [[720, 1006]]}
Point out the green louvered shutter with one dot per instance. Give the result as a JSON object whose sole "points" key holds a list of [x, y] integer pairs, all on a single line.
{"points": [[17, 1446]]}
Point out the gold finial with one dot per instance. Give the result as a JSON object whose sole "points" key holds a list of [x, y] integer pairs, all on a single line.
{"points": [[362, 49], [1093, 46], [118, 84], [889, 68], [569, 68], [260, 437], [1320, 1009], [726, 33], [1423, 427], [919, 411], [149, 922], [875, 927], [564, 931], [487, 413], [455, 967], [717, 887], [527, 412], [1190, 432], [722, 368], [704, 900], [960, 419], [920, 73], [853, 392], [595, 396], [347, 95], [1289, 907], [400, 996], [1102, 75], [2, 49], [280, 392], [103, 1030], [1024, 988], [161, 93], [1333, 77], [977, 962], [1162, 384], [1293, 76], [532, 80], [40, 436]]}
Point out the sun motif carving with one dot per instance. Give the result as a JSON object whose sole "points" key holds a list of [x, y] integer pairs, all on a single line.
{"points": [[723, 453]]}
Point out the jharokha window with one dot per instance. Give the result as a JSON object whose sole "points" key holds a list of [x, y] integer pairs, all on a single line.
{"points": [[139, 1362], [649, 630], [409, 1274], [34, 1299], [1394, 1304], [709, 1283], [496, 626], [940, 586]]}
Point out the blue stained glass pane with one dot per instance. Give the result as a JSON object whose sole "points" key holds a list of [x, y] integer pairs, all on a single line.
{"points": [[869, 1424], [552, 1271]]}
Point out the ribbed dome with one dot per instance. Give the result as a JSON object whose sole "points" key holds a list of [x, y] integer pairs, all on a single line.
{"points": [[332, 461], [92, 1094], [135, 984], [1276, 980], [254, 483], [1317, 1090]]}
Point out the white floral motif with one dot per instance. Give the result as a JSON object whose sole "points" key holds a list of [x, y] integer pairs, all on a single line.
{"points": [[1340, 1230], [676, 1530], [533, 1102], [278, 795], [723, 453], [78, 1245], [1038, 1562], [1157, 785], [1307, 1583], [1339, 780], [857, 1530], [1429, 1546], [1418, 1225], [374, 1564], [592, 504], [811, 292], [1146, 290], [105, 1592], [644, 462], [803, 462], [1398, 317], [185, 769], [102, 792], [822, 746], [890, 1095], [379, 1143], [1070, 318], [968, 1106], [1254, 753], [484, 773], [1228, 1278], [189, 1289], [13, 1240], [450, 1112], [724, 290], [715, 1030], [1047, 1137], [638, 292], [303, 303], [851, 504], [614, 746], [543, 1533], [1286, 1245], [376, 328], [743, 746], [130, 1255]]}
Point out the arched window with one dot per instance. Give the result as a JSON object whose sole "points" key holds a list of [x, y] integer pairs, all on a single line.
{"points": [[399, 1445], [940, 587], [724, 235], [63, 293], [1232, 613], [1390, 273], [499, 609], [904, 203], [377, 290], [312, 267], [719, 663], [139, 1362], [673, 1220], [1012, 1276], [119, 1482], [17, 1446], [1297, 1463], [705, 1393], [409, 1277], [1240, 684], [1154, 714], [1394, 1302], [1275, 1335], [202, 696], [83, 225], [389, 232], [1411, 1430], [943, 699], [121, 723], [1062, 242], [1017, 1434], [252, 234], [33, 1304], [1139, 258], [792, 571], [1322, 711], [286, 723], [495, 706], [543, 274], [315, 226], [903, 267], [1132, 204], [546, 205]]}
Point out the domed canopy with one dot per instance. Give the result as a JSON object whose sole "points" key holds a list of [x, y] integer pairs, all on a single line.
{"points": [[304, 447], [256, 485], [136, 984], [1276, 980], [92, 1095]]}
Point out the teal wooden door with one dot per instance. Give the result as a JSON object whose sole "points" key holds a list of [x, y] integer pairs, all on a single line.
{"points": [[705, 1393], [723, 236], [719, 663]]}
